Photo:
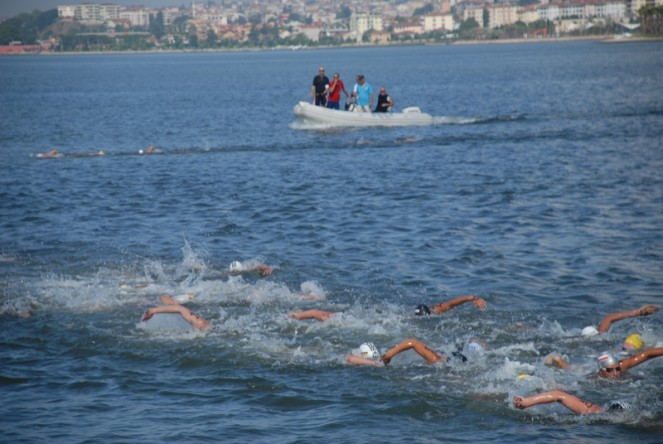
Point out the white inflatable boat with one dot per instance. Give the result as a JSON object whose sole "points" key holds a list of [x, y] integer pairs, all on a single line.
{"points": [[411, 116]]}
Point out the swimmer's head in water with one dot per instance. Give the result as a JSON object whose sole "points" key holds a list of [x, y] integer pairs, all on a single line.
{"points": [[606, 359], [619, 405], [609, 366], [633, 342], [366, 350], [459, 356], [590, 331], [235, 266], [475, 346], [422, 310]]}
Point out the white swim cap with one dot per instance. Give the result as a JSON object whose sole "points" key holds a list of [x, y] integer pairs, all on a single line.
{"points": [[140, 151], [182, 298], [366, 350], [590, 331], [235, 266], [475, 346]]}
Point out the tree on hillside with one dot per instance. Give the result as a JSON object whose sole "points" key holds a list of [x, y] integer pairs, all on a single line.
{"points": [[9, 32], [469, 29], [26, 27], [156, 25], [651, 19], [423, 10], [180, 24], [344, 13]]}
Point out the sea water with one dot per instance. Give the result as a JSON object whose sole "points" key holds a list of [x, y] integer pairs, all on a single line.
{"points": [[539, 189]]}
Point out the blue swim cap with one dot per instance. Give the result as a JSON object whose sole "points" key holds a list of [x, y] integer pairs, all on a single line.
{"points": [[422, 310]]}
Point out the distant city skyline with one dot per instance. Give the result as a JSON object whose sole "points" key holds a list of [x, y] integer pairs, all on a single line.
{"points": [[11, 8]]}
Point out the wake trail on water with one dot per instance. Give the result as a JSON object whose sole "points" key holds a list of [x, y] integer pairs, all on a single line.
{"points": [[437, 121], [318, 128]]}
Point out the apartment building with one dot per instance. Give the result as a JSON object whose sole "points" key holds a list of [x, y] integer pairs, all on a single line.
{"points": [[438, 22], [360, 23], [89, 13]]}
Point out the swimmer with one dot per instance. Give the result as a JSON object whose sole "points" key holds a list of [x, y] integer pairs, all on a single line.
{"points": [[610, 367], [236, 267], [477, 345], [320, 315], [151, 150], [448, 305], [177, 299], [174, 307], [633, 342], [556, 360], [569, 401], [419, 347], [366, 354], [97, 154], [52, 154], [604, 326]]}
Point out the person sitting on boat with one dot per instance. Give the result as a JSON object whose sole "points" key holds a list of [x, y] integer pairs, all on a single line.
{"points": [[320, 87], [335, 88], [385, 102], [363, 91]]}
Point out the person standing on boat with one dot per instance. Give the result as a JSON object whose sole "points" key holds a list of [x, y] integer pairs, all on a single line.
{"points": [[385, 103], [363, 91], [335, 88], [320, 87]]}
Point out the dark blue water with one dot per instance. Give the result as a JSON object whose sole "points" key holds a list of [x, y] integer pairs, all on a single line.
{"points": [[539, 189]]}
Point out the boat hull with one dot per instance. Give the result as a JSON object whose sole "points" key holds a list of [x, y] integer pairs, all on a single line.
{"points": [[331, 117]]}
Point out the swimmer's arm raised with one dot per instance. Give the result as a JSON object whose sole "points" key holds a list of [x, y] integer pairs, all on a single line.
{"points": [[356, 360], [320, 315], [639, 358], [569, 401], [419, 347], [556, 360], [189, 316], [645, 310], [448, 305]]}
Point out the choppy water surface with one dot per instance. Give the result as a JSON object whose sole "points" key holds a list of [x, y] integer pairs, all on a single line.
{"points": [[539, 189]]}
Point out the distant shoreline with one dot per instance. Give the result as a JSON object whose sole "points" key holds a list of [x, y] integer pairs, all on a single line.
{"points": [[600, 39]]}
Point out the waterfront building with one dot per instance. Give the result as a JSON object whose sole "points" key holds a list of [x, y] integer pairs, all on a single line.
{"points": [[438, 22], [90, 13], [360, 23]]}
